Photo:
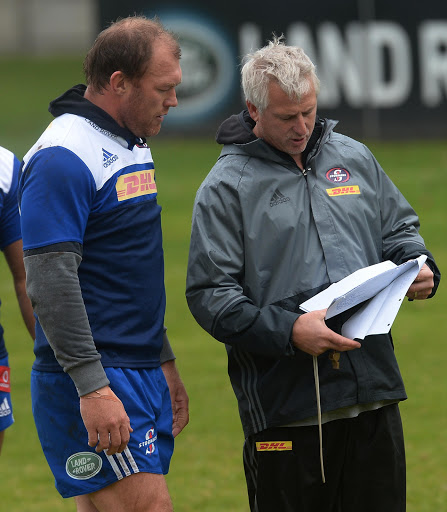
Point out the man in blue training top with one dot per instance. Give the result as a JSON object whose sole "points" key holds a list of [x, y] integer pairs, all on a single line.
{"points": [[11, 245], [95, 274]]}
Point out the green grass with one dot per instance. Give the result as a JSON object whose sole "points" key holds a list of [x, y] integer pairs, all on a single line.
{"points": [[206, 471]]}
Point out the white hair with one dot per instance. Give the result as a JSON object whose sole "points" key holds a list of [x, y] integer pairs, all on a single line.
{"points": [[289, 66]]}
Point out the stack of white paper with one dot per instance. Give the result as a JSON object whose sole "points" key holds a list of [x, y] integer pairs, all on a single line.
{"points": [[383, 285]]}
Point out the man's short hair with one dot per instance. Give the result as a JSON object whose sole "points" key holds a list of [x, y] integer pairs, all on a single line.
{"points": [[289, 66], [127, 46]]}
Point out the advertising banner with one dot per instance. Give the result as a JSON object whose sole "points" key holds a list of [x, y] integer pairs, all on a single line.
{"points": [[382, 65]]}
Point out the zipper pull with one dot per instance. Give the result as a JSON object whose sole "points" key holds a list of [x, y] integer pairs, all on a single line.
{"points": [[334, 356]]}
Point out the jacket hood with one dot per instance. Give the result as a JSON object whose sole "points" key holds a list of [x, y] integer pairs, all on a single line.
{"points": [[73, 102], [236, 133], [237, 129]]}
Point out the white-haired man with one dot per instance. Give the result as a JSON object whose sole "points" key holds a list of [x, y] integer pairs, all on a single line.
{"points": [[289, 208]]}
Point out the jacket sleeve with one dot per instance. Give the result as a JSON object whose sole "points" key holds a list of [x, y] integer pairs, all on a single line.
{"points": [[215, 277], [401, 240]]}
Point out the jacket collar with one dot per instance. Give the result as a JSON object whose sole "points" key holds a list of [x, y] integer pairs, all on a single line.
{"points": [[237, 130], [73, 102]]}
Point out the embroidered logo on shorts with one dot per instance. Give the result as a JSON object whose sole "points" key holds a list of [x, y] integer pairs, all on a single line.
{"points": [[274, 446], [5, 379], [149, 441], [83, 465], [5, 410]]}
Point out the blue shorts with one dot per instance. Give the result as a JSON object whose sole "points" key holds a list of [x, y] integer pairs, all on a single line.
{"points": [[76, 467], [6, 417]]}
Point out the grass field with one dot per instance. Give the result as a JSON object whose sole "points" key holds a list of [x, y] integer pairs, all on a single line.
{"points": [[206, 472]]}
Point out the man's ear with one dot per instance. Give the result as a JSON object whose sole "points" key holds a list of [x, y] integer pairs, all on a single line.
{"points": [[253, 111], [119, 83]]}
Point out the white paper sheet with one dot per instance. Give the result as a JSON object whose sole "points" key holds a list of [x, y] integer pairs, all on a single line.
{"points": [[385, 284]]}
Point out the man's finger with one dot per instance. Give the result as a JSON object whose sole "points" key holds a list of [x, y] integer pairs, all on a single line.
{"points": [[103, 441], [342, 344], [116, 442], [92, 438], [125, 431]]}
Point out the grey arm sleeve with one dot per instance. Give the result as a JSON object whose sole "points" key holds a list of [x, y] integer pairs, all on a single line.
{"points": [[167, 353], [53, 287]]}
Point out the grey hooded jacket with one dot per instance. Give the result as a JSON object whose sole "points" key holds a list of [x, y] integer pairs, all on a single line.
{"points": [[266, 236]]}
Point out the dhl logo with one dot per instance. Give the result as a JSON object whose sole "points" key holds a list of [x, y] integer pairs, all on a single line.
{"points": [[274, 446], [343, 191], [136, 184]]}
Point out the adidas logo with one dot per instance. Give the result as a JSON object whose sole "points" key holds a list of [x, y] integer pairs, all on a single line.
{"points": [[278, 198], [5, 410], [108, 158]]}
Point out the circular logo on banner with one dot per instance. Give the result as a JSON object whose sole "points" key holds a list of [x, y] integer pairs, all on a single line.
{"points": [[208, 68], [338, 175]]}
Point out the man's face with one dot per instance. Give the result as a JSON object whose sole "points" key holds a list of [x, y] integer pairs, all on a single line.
{"points": [[144, 107], [286, 124]]}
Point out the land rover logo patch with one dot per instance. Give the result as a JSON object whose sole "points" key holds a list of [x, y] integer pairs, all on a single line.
{"points": [[83, 465]]}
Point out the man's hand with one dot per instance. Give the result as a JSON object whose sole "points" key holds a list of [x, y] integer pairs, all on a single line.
{"points": [[106, 421], [179, 397], [423, 284], [311, 335]]}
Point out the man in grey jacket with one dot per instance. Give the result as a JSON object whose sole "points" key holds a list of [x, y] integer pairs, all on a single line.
{"points": [[289, 208]]}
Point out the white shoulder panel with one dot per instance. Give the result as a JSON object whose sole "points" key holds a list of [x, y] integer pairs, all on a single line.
{"points": [[104, 153], [6, 168]]}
